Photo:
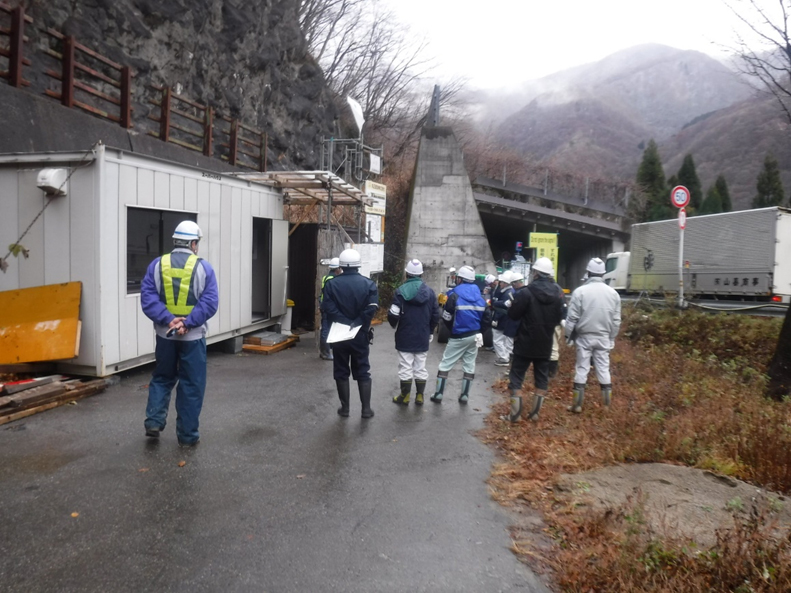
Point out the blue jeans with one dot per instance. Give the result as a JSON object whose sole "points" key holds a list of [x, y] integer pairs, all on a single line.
{"points": [[183, 362]]}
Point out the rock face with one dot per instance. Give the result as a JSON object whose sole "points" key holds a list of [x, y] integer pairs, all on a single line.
{"points": [[247, 60]]}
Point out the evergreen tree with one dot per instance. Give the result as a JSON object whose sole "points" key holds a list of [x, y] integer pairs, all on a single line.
{"points": [[769, 185], [725, 194], [688, 177], [713, 202], [651, 178]]}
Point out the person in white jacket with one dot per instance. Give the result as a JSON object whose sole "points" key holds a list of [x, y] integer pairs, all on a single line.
{"points": [[592, 322]]}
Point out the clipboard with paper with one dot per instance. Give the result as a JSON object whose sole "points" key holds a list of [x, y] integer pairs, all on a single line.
{"points": [[340, 332]]}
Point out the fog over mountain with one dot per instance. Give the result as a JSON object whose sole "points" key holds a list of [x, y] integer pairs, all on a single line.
{"points": [[595, 119]]}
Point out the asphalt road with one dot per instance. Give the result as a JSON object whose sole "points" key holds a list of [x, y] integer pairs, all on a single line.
{"points": [[280, 495]]}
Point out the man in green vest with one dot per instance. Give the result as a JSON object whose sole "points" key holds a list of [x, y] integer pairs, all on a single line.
{"points": [[325, 351], [179, 294]]}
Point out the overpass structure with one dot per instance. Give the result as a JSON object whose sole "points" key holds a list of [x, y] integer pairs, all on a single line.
{"points": [[586, 228]]}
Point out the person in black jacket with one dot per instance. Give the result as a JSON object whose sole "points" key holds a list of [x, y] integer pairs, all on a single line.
{"points": [[414, 314], [351, 299], [504, 328], [539, 309]]}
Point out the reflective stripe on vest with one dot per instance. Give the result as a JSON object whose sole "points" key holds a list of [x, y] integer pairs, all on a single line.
{"points": [[177, 306]]}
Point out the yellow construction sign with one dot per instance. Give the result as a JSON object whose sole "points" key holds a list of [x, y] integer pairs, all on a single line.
{"points": [[546, 245]]}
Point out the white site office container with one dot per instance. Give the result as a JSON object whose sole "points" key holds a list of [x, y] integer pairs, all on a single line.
{"points": [[82, 236]]}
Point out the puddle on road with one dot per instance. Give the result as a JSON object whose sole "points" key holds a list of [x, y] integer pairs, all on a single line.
{"points": [[45, 462]]}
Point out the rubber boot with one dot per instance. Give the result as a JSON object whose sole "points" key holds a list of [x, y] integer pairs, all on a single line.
{"points": [[406, 387], [437, 397], [365, 398], [606, 395], [466, 383], [516, 406], [538, 400], [420, 388], [343, 395], [579, 397]]}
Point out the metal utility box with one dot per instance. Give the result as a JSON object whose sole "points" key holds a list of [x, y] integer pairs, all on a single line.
{"points": [[735, 254], [118, 214]]}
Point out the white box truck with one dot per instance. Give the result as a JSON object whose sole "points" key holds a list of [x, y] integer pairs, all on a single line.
{"points": [[733, 255]]}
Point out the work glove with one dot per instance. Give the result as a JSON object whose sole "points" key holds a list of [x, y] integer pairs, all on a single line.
{"points": [[494, 323], [370, 335], [479, 340], [431, 338], [569, 341]]}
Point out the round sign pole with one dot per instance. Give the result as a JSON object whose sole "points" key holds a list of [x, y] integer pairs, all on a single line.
{"points": [[679, 197]]}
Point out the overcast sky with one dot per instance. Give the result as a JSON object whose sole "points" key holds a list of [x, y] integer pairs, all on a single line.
{"points": [[499, 43]]}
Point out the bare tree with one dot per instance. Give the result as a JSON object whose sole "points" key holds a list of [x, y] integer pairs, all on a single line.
{"points": [[770, 62], [771, 65]]}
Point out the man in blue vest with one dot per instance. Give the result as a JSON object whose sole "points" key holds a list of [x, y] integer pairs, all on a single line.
{"points": [[467, 316], [179, 294], [351, 299]]}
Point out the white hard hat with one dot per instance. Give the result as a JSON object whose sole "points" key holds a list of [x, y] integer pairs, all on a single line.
{"points": [[595, 266], [350, 258], [490, 278], [505, 276], [414, 267], [467, 273], [187, 231], [516, 277], [335, 263], [544, 265], [452, 270]]}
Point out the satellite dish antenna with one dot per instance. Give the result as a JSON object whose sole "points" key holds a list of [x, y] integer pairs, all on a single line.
{"points": [[357, 112]]}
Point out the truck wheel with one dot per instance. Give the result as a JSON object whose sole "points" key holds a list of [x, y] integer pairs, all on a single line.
{"points": [[443, 333]]}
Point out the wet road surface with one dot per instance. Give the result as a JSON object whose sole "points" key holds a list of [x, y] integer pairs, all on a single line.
{"points": [[280, 495]]}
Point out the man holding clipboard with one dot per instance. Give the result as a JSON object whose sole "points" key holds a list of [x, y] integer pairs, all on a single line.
{"points": [[350, 302]]}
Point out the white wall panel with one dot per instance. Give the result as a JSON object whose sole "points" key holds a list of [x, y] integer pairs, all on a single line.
{"points": [[9, 225], [226, 237], [31, 201], [233, 197], [145, 187], [57, 267], [161, 190], [191, 194], [246, 286], [128, 305], [177, 192], [83, 248], [213, 206], [110, 271]]}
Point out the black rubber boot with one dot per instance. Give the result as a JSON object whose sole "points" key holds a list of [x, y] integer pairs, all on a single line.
{"points": [[538, 400], [325, 352], [365, 397], [579, 398], [406, 388], [420, 389], [437, 397], [466, 383], [343, 395], [606, 395]]}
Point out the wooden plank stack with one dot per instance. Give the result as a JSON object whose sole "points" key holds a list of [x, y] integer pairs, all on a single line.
{"points": [[268, 342], [19, 399]]}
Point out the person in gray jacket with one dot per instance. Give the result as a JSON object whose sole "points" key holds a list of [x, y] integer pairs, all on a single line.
{"points": [[592, 322]]}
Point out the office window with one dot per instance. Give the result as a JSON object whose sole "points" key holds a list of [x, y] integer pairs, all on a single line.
{"points": [[149, 234]]}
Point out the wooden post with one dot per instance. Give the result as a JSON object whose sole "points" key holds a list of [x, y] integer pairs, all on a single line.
{"points": [[126, 97], [67, 80], [164, 115], [17, 47], [234, 141], [207, 131]]}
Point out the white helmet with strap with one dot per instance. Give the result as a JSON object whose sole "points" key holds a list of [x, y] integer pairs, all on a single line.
{"points": [[467, 273], [187, 231], [350, 258]]}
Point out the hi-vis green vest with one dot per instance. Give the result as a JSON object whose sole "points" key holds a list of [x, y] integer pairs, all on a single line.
{"points": [[177, 305], [323, 282]]}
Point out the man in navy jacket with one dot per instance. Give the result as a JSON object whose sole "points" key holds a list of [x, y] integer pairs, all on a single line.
{"points": [[179, 294], [414, 314], [467, 316], [352, 300]]}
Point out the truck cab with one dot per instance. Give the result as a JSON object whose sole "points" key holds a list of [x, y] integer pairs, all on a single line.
{"points": [[617, 270]]}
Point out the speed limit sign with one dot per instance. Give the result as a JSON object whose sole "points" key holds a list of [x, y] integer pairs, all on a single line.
{"points": [[679, 196]]}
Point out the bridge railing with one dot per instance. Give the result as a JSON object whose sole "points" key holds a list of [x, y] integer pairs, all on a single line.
{"points": [[14, 35]]}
